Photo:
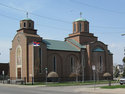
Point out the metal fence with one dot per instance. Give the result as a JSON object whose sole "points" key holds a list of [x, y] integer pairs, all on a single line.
{"points": [[23, 80]]}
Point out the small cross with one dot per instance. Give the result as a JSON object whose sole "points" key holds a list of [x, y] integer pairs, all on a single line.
{"points": [[27, 14], [80, 14]]}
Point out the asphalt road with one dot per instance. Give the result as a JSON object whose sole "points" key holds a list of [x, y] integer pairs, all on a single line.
{"points": [[19, 89], [7, 89]]}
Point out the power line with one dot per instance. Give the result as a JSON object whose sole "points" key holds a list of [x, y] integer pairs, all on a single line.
{"points": [[96, 7], [49, 18], [54, 19], [12, 18]]}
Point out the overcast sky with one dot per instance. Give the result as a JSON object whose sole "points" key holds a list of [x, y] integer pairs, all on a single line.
{"points": [[53, 20]]}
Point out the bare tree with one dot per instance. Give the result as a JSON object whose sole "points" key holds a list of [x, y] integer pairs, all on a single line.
{"points": [[76, 71]]}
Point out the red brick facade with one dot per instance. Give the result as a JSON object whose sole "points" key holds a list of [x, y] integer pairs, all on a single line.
{"points": [[32, 60]]}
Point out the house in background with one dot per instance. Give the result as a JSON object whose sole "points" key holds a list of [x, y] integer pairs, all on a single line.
{"points": [[4, 67]]}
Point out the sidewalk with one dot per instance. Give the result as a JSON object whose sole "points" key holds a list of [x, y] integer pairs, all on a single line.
{"points": [[100, 91]]}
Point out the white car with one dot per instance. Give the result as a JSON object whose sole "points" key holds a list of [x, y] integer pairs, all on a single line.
{"points": [[122, 81]]}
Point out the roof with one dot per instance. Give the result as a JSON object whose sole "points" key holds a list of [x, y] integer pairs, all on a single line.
{"points": [[109, 52], [76, 43], [60, 45], [98, 50], [80, 19], [27, 19]]}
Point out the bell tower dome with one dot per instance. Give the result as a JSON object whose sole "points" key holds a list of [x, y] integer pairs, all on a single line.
{"points": [[27, 24], [81, 32], [80, 25]]}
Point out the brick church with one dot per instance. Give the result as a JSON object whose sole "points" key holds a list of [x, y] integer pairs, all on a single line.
{"points": [[76, 54]]}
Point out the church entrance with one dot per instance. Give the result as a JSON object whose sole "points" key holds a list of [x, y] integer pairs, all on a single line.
{"points": [[19, 73]]}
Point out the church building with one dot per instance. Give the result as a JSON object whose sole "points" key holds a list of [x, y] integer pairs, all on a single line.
{"points": [[33, 56]]}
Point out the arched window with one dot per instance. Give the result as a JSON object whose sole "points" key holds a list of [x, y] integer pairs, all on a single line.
{"points": [[54, 63], [29, 24], [85, 27], [19, 56], [100, 64], [24, 24], [72, 64], [80, 27], [74, 28]]}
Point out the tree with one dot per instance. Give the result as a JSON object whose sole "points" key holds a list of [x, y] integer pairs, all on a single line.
{"points": [[116, 74], [123, 73], [124, 67], [123, 59], [76, 71]]}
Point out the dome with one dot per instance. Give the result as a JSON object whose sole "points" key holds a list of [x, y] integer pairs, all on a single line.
{"points": [[80, 19], [27, 19], [52, 74]]}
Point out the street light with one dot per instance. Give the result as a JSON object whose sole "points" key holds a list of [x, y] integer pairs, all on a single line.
{"points": [[94, 68]]}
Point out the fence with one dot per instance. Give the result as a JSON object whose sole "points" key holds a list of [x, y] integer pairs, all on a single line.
{"points": [[23, 80]]}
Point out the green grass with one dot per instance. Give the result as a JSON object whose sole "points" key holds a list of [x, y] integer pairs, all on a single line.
{"points": [[69, 83], [113, 87]]}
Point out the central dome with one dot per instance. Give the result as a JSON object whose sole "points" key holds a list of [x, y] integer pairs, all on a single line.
{"points": [[27, 19], [80, 19]]}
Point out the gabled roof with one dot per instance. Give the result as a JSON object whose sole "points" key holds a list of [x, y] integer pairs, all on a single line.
{"points": [[76, 43], [60, 45]]}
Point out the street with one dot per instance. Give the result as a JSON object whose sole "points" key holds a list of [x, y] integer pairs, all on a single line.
{"points": [[8, 89], [84, 89]]}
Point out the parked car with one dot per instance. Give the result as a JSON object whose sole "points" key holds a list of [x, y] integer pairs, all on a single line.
{"points": [[122, 81]]}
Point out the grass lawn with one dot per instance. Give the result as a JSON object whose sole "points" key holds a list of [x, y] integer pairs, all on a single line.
{"points": [[69, 83], [113, 87]]}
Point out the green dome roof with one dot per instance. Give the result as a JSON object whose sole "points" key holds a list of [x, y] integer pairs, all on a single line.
{"points": [[80, 19], [27, 19]]}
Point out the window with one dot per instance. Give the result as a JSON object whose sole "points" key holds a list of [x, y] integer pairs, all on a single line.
{"points": [[29, 24], [19, 56], [101, 63], [85, 27], [54, 63], [72, 64], [80, 27], [24, 24], [40, 60], [74, 28]]}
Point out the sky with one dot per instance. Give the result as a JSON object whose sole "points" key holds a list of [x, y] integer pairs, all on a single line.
{"points": [[53, 20]]}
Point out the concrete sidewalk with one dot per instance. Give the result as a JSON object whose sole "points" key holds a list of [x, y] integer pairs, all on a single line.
{"points": [[100, 91]]}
